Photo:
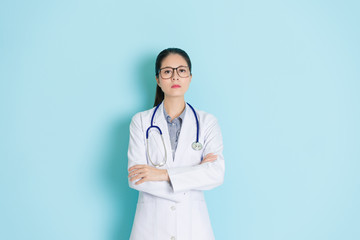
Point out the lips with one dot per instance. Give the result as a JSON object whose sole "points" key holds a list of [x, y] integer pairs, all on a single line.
{"points": [[175, 86]]}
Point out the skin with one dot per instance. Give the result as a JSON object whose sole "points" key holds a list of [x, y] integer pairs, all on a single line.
{"points": [[174, 104]]}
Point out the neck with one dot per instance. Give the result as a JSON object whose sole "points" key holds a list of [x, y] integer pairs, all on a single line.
{"points": [[174, 106]]}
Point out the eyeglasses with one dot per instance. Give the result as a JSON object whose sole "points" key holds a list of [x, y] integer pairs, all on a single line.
{"points": [[167, 72]]}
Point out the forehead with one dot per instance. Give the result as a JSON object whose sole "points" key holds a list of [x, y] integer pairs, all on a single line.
{"points": [[173, 60]]}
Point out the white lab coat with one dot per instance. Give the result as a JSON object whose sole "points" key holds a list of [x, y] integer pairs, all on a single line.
{"points": [[176, 210]]}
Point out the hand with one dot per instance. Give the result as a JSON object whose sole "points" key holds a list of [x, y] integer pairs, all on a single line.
{"points": [[209, 158], [147, 173]]}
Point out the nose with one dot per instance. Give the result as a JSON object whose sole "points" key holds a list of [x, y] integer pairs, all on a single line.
{"points": [[175, 74]]}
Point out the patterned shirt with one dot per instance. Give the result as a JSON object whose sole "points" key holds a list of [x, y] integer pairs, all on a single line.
{"points": [[174, 127]]}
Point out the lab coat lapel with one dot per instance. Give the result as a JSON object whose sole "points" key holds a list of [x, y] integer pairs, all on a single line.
{"points": [[186, 138], [160, 121]]}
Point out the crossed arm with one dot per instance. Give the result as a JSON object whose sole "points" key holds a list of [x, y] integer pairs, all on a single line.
{"points": [[145, 172], [174, 182]]}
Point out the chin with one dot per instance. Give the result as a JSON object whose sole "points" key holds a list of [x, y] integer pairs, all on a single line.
{"points": [[175, 95]]}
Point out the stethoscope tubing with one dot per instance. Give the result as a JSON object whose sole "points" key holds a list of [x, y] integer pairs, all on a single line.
{"points": [[196, 145], [197, 123]]}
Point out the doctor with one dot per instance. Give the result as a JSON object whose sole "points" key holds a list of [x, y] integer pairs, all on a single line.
{"points": [[175, 153]]}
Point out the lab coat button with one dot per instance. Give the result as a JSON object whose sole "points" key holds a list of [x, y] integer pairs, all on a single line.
{"points": [[173, 238], [173, 208]]}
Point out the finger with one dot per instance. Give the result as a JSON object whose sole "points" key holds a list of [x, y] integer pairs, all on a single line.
{"points": [[138, 171], [211, 158], [141, 181], [209, 154], [207, 161], [137, 177], [134, 172], [137, 166], [134, 178]]}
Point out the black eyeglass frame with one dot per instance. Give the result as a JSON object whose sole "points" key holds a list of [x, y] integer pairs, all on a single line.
{"points": [[174, 69]]}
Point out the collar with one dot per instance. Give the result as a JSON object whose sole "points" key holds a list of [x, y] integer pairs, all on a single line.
{"points": [[168, 118]]}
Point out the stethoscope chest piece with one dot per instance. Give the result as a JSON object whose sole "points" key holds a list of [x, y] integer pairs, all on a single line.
{"points": [[196, 146]]}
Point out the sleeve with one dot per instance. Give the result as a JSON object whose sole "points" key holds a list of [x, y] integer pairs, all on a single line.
{"points": [[204, 176], [137, 155]]}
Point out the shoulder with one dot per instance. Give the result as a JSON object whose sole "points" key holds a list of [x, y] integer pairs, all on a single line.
{"points": [[208, 123], [205, 115], [139, 116], [206, 118]]}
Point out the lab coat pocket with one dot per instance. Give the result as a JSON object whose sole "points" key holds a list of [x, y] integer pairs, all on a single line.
{"points": [[201, 226], [144, 225]]}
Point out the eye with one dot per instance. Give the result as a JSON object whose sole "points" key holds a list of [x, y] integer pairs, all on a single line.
{"points": [[167, 71]]}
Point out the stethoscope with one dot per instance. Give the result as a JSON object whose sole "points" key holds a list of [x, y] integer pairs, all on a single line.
{"points": [[195, 145]]}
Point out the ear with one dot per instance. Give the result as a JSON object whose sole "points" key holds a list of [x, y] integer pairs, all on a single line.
{"points": [[157, 81]]}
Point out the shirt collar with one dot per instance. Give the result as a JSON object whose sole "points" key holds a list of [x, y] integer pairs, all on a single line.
{"points": [[168, 118]]}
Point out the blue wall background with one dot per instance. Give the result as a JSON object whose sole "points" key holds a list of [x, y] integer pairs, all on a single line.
{"points": [[282, 77]]}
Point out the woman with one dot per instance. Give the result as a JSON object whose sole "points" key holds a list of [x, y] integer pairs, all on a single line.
{"points": [[171, 202]]}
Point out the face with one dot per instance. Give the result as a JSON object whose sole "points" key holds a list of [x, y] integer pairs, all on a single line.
{"points": [[175, 86]]}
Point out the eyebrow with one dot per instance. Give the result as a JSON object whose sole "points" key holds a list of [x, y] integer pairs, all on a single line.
{"points": [[175, 67]]}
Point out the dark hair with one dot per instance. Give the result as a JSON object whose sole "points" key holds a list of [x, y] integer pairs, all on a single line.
{"points": [[159, 97]]}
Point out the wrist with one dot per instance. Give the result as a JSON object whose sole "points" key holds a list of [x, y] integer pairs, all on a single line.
{"points": [[166, 175]]}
